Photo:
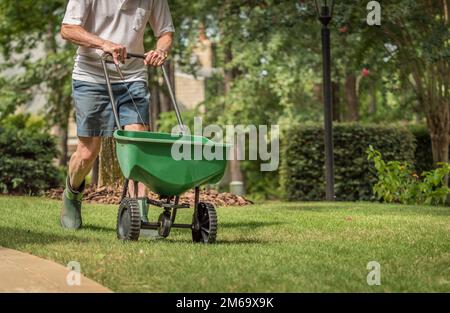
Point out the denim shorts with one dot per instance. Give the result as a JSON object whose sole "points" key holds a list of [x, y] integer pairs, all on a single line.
{"points": [[94, 114]]}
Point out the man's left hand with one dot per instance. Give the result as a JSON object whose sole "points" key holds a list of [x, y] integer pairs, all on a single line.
{"points": [[155, 57]]}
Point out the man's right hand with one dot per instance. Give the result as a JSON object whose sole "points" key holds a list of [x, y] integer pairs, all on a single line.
{"points": [[118, 52]]}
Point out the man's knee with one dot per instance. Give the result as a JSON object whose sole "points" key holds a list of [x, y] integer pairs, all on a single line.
{"points": [[137, 127], [88, 149]]}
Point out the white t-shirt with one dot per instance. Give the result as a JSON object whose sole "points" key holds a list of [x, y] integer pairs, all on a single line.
{"points": [[122, 22]]}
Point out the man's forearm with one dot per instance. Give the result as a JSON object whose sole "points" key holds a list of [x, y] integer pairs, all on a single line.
{"points": [[158, 56], [81, 37], [164, 42], [78, 35]]}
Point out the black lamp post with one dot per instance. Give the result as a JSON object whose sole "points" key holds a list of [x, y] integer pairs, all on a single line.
{"points": [[324, 11]]}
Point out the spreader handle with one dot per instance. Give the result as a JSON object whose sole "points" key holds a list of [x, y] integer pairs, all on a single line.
{"points": [[172, 97], [111, 94], [135, 55], [169, 87], [166, 79], [129, 56]]}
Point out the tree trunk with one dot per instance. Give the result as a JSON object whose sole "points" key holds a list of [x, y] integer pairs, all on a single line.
{"points": [[351, 97], [236, 174], [61, 133], [109, 174], [439, 125], [235, 169], [431, 87], [64, 135], [95, 172], [373, 98]]}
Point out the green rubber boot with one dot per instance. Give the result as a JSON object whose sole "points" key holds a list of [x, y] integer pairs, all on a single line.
{"points": [[143, 208], [146, 233], [71, 209]]}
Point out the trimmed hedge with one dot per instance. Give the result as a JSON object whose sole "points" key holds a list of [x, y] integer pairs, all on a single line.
{"points": [[302, 173], [26, 161]]}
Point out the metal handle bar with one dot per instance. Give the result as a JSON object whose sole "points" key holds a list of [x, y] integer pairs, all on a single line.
{"points": [[129, 56], [135, 55], [166, 80], [111, 94], [172, 97]]}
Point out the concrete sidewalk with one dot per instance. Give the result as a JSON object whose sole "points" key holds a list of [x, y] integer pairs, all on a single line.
{"points": [[22, 272]]}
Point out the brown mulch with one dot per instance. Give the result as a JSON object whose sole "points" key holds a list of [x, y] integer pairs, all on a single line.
{"points": [[106, 195]]}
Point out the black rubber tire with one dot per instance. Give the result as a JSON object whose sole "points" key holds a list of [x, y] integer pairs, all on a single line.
{"points": [[207, 217], [128, 220], [165, 224]]}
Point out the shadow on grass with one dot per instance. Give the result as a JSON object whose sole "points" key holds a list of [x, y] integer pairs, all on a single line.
{"points": [[251, 225], [17, 237], [244, 241], [98, 228]]}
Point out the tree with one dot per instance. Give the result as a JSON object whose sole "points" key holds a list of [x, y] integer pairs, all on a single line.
{"points": [[418, 34], [22, 31]]}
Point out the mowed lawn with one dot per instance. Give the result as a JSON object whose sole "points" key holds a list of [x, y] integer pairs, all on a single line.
{"points": [[273, 247]]}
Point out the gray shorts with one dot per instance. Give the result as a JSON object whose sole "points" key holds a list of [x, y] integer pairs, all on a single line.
{"points": [[94, 114]]}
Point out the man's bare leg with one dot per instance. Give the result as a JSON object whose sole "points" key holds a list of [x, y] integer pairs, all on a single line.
{"points": [[80, 165], [83, 159]]}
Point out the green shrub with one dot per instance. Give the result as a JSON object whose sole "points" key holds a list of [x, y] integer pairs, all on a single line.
{"points": [[168, 120], [260, 185], [302, 173], [26, 157], [399, 183]]}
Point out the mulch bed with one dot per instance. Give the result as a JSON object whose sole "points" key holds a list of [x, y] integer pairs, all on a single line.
{"points": [[106, 195]]}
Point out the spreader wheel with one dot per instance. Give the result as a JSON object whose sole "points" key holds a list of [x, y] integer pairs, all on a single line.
{"points": [[206, 230], [128, 220], [165, 224]]}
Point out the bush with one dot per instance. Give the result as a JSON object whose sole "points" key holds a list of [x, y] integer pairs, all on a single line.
{"points": [[26, 157], [399, 183], [302, 173], [168, 120]]}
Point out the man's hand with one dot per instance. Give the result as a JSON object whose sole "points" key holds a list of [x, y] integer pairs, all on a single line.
{"points": [[118, 52], [155, 57]]}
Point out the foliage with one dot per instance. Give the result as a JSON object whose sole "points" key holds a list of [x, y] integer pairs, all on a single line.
{"points": [[260, 185], [38, 60], [26, 156], [33, 123], [168, 120], [302, 159], [416, 39], [272, 49], [399, 183]]}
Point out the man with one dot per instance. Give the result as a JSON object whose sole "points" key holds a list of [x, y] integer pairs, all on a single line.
{"points": [[114, 27]]}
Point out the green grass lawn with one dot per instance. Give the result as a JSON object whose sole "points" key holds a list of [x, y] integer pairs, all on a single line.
{"points": [[274, 247]]}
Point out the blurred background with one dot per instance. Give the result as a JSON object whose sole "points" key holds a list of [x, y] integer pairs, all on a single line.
{"points": [[247, 62]]}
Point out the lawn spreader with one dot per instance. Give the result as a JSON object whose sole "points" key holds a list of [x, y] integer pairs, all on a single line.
{"points": [[147, 157]]}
